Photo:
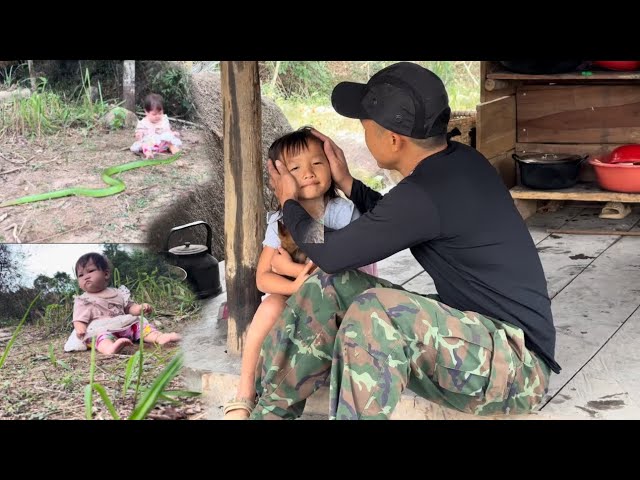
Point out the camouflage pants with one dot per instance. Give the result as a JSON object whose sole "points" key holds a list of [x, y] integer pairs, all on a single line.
{"points": [[370, 339]]}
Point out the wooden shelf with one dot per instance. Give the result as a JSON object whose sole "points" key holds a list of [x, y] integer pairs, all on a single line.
{"points": [[582, 191], [596, 75]]}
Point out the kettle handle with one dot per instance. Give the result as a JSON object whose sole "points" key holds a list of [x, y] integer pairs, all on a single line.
{"points": [[188, 225]]}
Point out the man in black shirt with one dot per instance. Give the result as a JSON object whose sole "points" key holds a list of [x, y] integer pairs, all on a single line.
{"points": [[484, 345]]}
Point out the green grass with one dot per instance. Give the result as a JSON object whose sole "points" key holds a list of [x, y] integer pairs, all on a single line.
{"points": [[461, 80], [323, 118], [142, 202], [9, 74], [151, 395], [46, 112], [12, 340]]}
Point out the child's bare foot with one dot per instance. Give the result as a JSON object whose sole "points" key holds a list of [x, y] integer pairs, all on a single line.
{"points": [[116, 346], [165, 338]]}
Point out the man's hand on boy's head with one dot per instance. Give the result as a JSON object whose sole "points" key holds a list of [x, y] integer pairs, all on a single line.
{"points": [[337, 162], [282, 182]]}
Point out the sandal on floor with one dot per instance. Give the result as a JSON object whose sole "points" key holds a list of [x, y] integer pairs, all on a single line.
{"points": [[239, 404], [616, 210]]}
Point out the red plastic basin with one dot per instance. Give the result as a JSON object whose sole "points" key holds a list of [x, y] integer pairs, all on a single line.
{"points": [[619, 65], [617, 177]]}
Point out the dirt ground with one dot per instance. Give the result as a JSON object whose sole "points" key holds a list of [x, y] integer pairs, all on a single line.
{"points": [[73, 159], [32, 387]]}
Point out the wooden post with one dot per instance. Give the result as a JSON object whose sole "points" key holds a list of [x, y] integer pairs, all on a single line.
{"points": [[129, 85], [244, 216]]}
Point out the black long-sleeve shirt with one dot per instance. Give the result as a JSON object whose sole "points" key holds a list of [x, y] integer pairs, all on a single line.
{"points": [[459, 220]]}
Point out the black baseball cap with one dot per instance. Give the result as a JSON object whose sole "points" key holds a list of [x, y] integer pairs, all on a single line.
{"points": [[404, 97]]}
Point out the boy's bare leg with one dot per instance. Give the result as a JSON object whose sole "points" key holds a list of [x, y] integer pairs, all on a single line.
{"points": [[263, 320]]}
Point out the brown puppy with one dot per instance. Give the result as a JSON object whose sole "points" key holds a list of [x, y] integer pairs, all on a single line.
{"points": [[289, 245]]}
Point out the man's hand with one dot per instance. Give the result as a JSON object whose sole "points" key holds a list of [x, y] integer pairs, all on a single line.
{"points": [[282, 182], [337, 163]]}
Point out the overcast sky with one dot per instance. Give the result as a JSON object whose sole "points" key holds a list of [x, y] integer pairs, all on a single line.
{"points": [[48, 259]]}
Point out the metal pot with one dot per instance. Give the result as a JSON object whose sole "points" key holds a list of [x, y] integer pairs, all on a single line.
{"points": [[203, 270], [549, 171]]}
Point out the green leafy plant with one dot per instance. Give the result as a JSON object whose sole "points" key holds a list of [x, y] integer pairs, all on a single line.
{"points": [[54, 360], [88, 390], [173, 84], [10, 74], [119, 118], [157, 389]]}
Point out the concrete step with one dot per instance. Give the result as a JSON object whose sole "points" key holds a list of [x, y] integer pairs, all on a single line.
{"points": [[219, 387]]}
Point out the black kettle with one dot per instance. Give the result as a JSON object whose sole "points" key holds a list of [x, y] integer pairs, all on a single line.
{"points": [[203, 270]]}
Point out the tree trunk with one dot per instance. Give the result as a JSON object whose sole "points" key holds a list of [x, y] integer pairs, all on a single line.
{"points": [[275, 75], [32, 75], [244, 220], [129, 85]]}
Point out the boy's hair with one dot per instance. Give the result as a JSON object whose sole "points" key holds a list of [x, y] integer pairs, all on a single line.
{"points": [[100, 261], [153, 102], [293, 143]]}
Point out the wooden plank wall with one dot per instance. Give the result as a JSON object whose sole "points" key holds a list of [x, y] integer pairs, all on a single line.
{"points": [[580, 119], [591, 114], [496, 134]]}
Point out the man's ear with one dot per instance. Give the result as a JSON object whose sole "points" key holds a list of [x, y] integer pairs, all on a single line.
{"points": [[396, 141]]}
